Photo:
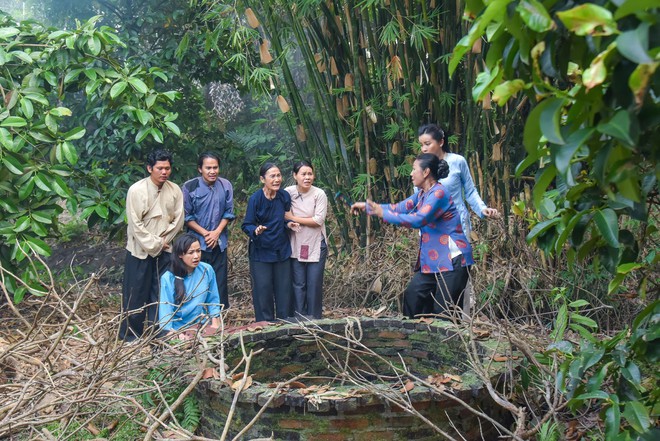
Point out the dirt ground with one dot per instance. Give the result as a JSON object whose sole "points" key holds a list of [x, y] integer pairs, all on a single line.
{"points": [[86, 255]]}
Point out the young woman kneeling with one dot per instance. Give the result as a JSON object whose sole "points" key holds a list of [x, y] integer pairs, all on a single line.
{"points": [[188, 290]]}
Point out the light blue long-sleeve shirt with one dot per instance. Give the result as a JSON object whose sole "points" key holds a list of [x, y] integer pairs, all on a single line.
{"points": [[459, 182], [202, 298]]}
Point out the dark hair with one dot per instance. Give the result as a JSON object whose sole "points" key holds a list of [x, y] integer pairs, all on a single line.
{"points": [[436, 133], [181, 246], [438, 167], [264, 168], [207, 155], [300, 164], [158, 155]]}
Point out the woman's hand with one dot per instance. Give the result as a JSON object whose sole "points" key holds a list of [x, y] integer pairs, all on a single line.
{"points": [[357, 207], [374, 209], [260, 229], [490, 212], [370, 207], [293, 226]]}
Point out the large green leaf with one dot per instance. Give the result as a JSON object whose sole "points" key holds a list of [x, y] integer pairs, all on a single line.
{"points": [[506, 90], [607, 222], [138, 85], [73, 134], [485, 82], [637, 416], [612, 420], [596, 73], [143, 116], [618, 127], [639, 80], [549, 120], [14, 122], [546, 176], [541, 227], [635, 6], [588, 19], [494, 12], [38, 245], [118, 88], [13, 165], [535, 15], [563, 154], [8, 32], [634, 44]]}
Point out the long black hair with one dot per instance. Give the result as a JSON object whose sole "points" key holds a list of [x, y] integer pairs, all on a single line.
{"points": [[436, 133], [438, 167], [178, 267]]}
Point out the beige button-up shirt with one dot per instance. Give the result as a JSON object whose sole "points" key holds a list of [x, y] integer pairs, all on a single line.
{"points": [[312, 204], [152, 214]]}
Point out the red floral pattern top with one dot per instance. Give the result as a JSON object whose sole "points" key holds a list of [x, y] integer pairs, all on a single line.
{"points": [[434, 213]]}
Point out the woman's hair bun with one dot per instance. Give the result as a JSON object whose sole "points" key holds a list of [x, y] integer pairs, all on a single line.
{"points": [[443, 169]]}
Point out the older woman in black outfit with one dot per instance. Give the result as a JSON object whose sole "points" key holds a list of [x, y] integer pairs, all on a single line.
{"points": [[270, 269]]}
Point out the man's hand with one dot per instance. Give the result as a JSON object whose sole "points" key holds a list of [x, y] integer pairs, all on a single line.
{"points": [[211, 238]]}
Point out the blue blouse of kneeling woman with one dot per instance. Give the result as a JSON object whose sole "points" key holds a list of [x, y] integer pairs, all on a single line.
{"points": [[198, 297]]}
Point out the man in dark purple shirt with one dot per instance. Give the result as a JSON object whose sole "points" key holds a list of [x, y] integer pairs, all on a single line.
{"points": [[208, 201]]}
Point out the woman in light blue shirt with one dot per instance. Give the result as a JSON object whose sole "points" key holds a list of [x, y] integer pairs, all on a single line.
{"points": [[188, 290], [459, 181]]}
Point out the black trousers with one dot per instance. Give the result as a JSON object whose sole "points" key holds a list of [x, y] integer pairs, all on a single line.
{"points": [[218, 260], [435, 293], [140, 295], [272, 293]]}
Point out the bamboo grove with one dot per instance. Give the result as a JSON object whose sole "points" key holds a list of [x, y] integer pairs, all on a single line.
{"points": [[375, 71]]}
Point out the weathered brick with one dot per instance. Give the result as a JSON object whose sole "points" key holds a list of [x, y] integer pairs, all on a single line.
{"points": [[277, 401], [391, 334], [330, 437], [308, 348], [293, 423], [292, 368], [376, 435], [401, 344], [346, 405], [354, 423]]}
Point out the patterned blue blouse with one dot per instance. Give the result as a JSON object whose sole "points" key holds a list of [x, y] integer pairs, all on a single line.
{"points": [[435, 215]]}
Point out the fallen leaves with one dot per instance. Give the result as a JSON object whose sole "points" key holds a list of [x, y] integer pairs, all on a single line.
{"points": [[481, 334], [407, 386], [237, 380], [502, 358], [210, 373], [440, 380]]}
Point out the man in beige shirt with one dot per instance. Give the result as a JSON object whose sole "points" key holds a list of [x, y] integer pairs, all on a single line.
{"points": [[154, 213]]}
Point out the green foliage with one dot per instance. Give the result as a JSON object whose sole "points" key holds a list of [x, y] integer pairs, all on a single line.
{"points": [[39, 156], [188, 414], [618, 375], [588, 70]]}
